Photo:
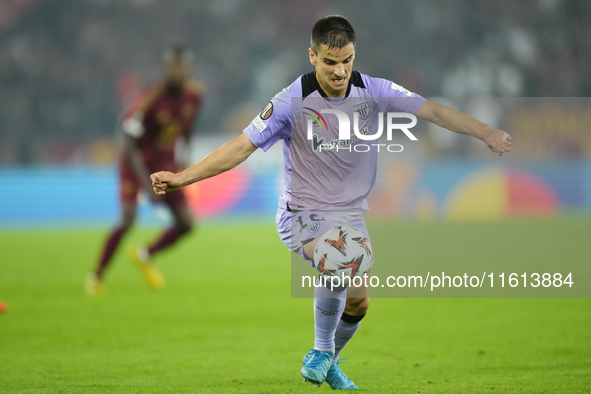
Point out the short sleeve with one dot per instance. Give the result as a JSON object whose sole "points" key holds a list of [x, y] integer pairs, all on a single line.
{"points": [[132, 123], [392, 97], [133, 126], [273, 123]]}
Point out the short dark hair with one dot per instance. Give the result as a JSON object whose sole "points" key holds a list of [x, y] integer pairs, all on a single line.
{"points": [[334, 31], [178, 53]]}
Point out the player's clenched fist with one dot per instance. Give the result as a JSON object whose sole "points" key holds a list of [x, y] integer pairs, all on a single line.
{"points": [[498, 141], [165, 181]]}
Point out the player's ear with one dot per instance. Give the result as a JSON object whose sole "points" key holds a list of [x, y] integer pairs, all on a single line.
{"points": [[313, 57]]}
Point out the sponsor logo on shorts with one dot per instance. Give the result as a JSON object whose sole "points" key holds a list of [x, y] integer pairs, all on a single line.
{"points": [[313, 228]]}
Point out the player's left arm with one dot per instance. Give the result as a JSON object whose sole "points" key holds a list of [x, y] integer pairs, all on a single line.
{"points": [[220, 160], [498, 141]]}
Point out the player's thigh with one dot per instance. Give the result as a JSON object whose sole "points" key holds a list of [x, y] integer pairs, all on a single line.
{"points": [[362, 291], [128, 191], [299, 230], [128, 213], [316, 225], [310, 246], [129, 186]]}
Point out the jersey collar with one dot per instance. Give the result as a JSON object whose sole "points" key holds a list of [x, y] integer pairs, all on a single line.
{"points": [[319, 89]]}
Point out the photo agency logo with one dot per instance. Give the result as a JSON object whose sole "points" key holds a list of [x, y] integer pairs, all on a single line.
{"points": [[345, 140]]}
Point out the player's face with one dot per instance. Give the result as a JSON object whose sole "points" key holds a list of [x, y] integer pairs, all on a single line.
{"points": [[333, 68], [177, 71]]}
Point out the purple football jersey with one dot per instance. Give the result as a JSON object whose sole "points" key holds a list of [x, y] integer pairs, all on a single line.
{"points": [[323, 172]]}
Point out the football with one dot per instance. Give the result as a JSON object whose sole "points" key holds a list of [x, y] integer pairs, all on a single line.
{"points": [[343, 251]]}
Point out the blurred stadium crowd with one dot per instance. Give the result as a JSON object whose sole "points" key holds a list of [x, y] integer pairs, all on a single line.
{"points": [[68, 67]]}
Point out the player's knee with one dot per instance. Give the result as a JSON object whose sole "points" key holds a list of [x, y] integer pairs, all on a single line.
{"points": [[127, 222], [185, 226], [125, 227], [357, 306], [127, 217]]}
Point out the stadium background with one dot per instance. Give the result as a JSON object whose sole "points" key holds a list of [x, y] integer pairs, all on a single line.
{"points": [[69, 67]]}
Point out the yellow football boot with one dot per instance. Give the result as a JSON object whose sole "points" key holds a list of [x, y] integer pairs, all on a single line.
{"points": [[94, 287], [141, 258]]}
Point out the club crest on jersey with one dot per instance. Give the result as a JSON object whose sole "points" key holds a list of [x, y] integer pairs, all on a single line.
{"points": [[267, 111], [362, 110]]}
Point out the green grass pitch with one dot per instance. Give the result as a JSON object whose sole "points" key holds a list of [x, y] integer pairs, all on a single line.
{"points": [[226, 322]]}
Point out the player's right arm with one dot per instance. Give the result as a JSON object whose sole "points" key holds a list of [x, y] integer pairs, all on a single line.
{"points": [[268, 127], [222, 159]]}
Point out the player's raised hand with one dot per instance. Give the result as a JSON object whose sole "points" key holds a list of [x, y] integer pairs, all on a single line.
{"points": [[165, 181], [498, 141]]}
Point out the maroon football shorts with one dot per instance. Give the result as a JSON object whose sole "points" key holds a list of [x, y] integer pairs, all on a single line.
{"points": [[129, 186]]}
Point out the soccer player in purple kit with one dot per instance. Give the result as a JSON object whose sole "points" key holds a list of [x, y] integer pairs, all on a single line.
{"points": [[326, 187]]}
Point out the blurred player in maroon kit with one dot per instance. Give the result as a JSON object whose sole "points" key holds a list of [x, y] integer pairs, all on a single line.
{"points": [[152, 131]]}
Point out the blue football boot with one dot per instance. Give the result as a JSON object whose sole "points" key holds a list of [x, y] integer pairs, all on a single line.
{"points": [[316, 366], [337, 378]]}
